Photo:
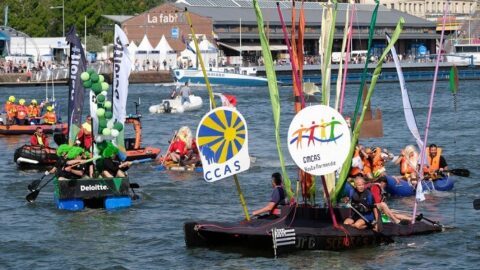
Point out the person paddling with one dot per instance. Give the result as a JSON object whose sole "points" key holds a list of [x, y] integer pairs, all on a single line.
{"points": [[277, 198], [362, 200], [436, 162]]}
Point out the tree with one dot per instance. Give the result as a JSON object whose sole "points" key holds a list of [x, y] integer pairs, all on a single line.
{"points": [[94, 43]]}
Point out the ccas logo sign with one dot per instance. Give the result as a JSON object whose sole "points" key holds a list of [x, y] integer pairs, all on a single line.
{"points": [[222, 140], [318, 140]]}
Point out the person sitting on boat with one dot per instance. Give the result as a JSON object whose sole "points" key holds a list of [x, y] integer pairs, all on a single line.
{"points": [[112, 167], [33, 111], [359, 162], [62, 152], [88, 168], [436, 162], [173, 94], [193, 156], [408, 161], [278, 198], [22, 113], [73, 167], [84, 136], [179, 148], [379, 198], [378, 163], [39, 138], [185, 93], [361, 199], [50, 117], [11, 110]]}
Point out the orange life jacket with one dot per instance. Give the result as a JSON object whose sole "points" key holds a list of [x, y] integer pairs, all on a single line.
{"points": [[434, 164], [378, 163], [405, 167], [11, 109], [50, 118], [21, 112], [367, 166], [355, 170], [33, 111]]}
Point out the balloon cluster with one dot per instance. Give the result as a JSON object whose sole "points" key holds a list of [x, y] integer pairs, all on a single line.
{"points": [[96, 83]]}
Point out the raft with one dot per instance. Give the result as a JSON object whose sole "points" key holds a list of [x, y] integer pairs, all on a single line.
{"points": [[35, 156], [297, 228], [173, 166], [404, 189], [175, 105], [134, 148], [108, 193], [30, 129]]}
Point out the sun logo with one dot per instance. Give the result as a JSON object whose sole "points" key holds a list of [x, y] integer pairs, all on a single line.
{"points": [[221, 136]]}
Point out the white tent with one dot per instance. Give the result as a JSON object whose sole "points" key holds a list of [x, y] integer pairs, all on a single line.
{"points": [[132, 50], [209, 53], [187, 59], [167, 57], [142, 54]]}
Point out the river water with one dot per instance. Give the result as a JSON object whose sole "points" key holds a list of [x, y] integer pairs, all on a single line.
{"points": [[149, 235]]}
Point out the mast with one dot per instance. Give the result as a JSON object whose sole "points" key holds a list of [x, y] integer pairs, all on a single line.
{"points": [[241, 59]]}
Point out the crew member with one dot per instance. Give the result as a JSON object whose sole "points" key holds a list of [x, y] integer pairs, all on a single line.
{"points": [[33, 111], [378, 192], [179, 148], [408, 160], [362, 200], [11, 110], [114, 168], [185, 93], [50, 117], [277, 198], [22, 112], [436, 162], [85, 133], [378, 163], [39, 138]]}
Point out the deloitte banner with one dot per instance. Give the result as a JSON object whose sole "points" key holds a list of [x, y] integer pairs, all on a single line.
{"points": [[318, 140], [222, 141]]}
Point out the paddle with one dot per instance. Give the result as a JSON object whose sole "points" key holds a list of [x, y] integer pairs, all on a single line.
{"points": [[144, 160], [132, 187], [161, 167], [387, 238], [420, 217], [35, 183], [459, 172], [476, 204], [32, 196]]}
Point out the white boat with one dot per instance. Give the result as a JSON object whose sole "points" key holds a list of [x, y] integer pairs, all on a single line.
{"points": [[218, 77], [175, 105], [468, 54]]}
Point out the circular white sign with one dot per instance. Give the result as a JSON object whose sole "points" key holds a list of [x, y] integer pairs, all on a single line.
{"points": [[319, 140]]}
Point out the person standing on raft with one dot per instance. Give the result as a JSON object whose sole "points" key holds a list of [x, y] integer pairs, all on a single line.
{"points": [[22, 113], [50, 117], [185, 93], [11, 110]]}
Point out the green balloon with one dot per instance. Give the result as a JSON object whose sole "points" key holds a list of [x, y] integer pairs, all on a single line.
{"points": [[94, 77], [107, 104], [97, 88], [102, 123], [104, 86], [118, 126], [87, 84], [91, 71], [106, 132], [100, 98], [101, 146], [85, 76], [101, 78], [100, 112], [108, 114]]}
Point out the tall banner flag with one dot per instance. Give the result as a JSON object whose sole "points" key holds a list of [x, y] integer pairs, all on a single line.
{"points": [[121, 71], [318, 140], [77, 65], [222, 140]]}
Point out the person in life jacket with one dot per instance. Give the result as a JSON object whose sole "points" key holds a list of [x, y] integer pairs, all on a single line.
{"points": [[84, 136], [50, 117], [33, 111], [11, 110], [39, 138], [179, 148], [408, 161], [22, 113], [278, 198], [436, 162], [362, 200], [378, 163], [361, 164], [379, 199]]}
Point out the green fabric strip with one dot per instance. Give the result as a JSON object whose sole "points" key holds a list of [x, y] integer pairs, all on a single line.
{"points": [[273, 90], [346, 166]]}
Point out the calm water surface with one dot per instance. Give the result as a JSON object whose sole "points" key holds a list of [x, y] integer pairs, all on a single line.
{"points": [[149, 235]]}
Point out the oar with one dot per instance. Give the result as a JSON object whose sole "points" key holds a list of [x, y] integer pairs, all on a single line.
{"points": [[144, 160], [132, 187], [32, 196], [161, 167], [35, 183], [476, 204], [459, 172], [420, 217], [388, 239]]}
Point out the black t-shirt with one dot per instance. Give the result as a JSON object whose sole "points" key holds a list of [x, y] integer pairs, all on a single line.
{"points": [[111, 166], [443, 162]]}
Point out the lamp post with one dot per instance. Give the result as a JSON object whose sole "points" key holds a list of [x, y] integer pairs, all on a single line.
{"points": [[63, 15]]}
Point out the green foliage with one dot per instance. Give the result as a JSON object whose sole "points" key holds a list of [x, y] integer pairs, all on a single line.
{"points": [[35, 18], [94, 43]]}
